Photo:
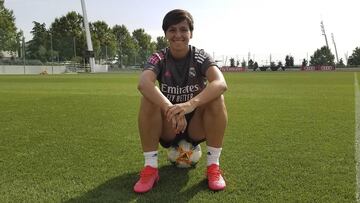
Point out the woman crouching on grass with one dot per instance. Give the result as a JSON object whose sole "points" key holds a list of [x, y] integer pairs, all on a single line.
{"points": [[188, 104]]}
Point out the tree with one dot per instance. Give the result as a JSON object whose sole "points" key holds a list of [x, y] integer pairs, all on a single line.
{"points": [[354, 59], [232, 62], [250, 63], [161, 43], [289, 61], [243, 63], [273, 66], [304, 63], [280, 65], [39, 46], [9, 36], [68, 36], [126, 47], [144, 45], [256, 66], [104, 40], [322, 57], [340, 64]]}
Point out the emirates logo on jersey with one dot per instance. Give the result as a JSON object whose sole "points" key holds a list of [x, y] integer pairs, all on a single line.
{"points": [[192, 72]]}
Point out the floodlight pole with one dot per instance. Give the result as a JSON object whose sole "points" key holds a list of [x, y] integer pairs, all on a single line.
{"points": [[336, 54], [323, 33], [88, 37]]}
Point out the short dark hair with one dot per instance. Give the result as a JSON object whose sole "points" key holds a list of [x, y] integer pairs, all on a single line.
{"points": [[176, 16]]}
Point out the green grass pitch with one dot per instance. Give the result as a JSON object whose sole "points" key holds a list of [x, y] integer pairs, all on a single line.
{"points": [[73, 138]]}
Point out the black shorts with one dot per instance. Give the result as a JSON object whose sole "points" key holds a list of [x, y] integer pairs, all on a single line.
{"points": [[181, 136]]}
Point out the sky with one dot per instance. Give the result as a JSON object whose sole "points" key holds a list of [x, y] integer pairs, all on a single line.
{"points": [[261, 29]]}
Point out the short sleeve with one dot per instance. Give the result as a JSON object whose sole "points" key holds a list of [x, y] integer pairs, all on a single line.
{"points": [[154, 63], [205, 60]]}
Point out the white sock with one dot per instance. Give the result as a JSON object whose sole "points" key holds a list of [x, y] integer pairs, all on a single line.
{"points": [[213, 155], [151, 159]]}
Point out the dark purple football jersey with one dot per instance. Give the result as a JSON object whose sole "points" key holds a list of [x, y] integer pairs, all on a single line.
{"points": [[180, 80]]}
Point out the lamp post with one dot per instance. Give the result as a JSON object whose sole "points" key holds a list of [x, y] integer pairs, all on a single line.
{"points": [[74, 42], [23, 51], [52, 56]]}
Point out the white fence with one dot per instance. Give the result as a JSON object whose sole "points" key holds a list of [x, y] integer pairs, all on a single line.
{"points": [[101, 68], [8, 69]]}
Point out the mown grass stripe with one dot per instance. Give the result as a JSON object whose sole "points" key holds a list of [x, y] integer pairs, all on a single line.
{"points": [[357, 135]]}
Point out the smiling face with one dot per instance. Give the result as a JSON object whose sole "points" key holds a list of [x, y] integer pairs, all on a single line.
{"points": [[179, 36]]}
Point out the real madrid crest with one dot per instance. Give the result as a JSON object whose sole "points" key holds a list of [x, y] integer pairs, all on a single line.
{"points": [[192, 72]]}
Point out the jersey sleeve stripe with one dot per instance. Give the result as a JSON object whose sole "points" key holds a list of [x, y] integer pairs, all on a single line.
{"points": [[156, 58]]}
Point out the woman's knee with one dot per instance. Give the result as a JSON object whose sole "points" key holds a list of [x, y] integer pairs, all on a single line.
{"points": [[216, 106], [148, 107]]}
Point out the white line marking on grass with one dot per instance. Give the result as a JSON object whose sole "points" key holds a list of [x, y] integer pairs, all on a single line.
{"points": [[357, 135]]}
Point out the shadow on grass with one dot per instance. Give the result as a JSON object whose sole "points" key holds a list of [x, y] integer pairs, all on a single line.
{"points": [[169, 189]]}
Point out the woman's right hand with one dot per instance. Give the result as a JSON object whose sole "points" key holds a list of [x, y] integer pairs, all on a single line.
{"points": [[179, 123]]}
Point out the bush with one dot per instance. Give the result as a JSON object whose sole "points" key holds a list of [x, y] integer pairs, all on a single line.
{"points": [[34, 62], [264, 68], [274, 68], [8, 61]]}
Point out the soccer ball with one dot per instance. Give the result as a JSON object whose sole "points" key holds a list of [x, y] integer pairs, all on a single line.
{"points": [[184, 155]]}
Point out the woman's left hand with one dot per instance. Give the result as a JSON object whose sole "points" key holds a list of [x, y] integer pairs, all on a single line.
{"points": [[179, 124]]}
